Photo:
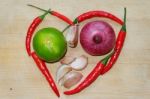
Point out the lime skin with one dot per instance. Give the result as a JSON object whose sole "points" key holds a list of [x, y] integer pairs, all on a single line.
{"points": [[49, 44]]}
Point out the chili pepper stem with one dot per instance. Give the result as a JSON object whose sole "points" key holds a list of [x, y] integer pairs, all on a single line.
{"points": [[75, 22], [66, 28], [105, 60], [36, 7], [124, 25], [43, 16]]}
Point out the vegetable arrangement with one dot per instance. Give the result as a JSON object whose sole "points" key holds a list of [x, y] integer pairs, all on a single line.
{"points": [[96, 38], [102, 67], [40, 63]]}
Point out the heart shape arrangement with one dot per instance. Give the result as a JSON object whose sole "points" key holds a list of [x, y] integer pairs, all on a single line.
{"points": [[102, 66]]}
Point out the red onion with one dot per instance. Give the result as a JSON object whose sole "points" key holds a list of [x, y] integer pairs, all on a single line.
{"points": [[97, 38]]}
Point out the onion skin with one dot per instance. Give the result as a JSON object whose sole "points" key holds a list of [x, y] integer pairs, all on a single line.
{"points": [[97, 38]]}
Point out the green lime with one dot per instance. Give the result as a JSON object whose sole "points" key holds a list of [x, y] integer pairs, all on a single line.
{"points": [[50, 44]]}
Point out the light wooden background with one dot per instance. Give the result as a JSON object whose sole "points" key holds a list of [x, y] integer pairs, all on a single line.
{"points": [[19, 77]]}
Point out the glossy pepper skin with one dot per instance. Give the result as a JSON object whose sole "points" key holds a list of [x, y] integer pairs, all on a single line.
{"points": [[60, 16], [31, 30], [42, 67], [118, 47], [94, 74], [92, 14]]}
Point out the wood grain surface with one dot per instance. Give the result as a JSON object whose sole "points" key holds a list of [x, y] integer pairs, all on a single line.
{"points": [[20, 78]]}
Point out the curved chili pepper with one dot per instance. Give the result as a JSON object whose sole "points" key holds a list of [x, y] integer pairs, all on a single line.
{"points": [[92, 14], [64, 18], [42, 66], [31, 30], [118, 47], [94, 74]]}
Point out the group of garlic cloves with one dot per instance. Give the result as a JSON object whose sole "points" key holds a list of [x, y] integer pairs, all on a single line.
{"points": [[68, 73]]}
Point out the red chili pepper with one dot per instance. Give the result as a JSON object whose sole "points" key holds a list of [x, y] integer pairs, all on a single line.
{"points": [[118, 47], [42, 66], [94, 74], [31, 30], [64, 18], [92, 14]]}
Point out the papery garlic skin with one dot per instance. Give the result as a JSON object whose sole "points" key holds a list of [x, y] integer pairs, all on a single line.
{"points": [[71, 79], [79, 63], [72, 36], [67, 60], [62, 71]]}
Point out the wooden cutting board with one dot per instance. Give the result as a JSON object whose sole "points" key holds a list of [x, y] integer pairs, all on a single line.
{"points": [[20, 78]]}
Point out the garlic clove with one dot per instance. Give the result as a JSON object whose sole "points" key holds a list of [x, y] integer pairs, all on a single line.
{"points": [[61, 71], [61, 81], [67, 60], [71, 79], [72, 36], [79, 63]]}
